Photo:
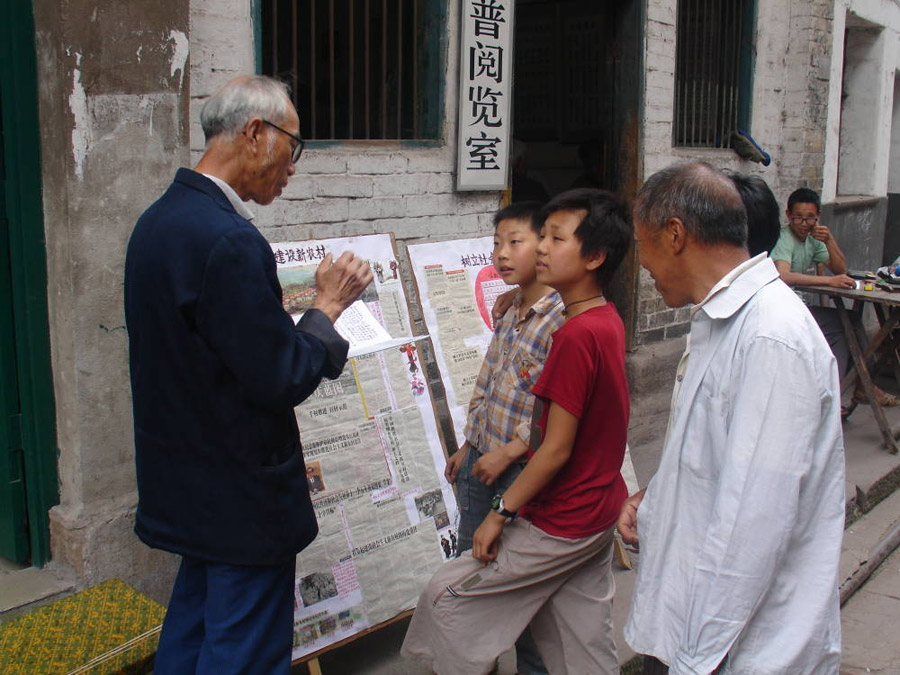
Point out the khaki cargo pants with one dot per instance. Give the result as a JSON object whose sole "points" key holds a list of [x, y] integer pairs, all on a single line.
{"points": [[470, 613]]}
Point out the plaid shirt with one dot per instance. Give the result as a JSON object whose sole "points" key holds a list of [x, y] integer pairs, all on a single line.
{"points": [[502, 401]]}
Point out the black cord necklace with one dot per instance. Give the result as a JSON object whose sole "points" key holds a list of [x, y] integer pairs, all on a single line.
{"points": [[566, 307]]}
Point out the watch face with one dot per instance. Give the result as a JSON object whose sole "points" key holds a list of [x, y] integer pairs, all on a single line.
{"points": [[495, 502]]}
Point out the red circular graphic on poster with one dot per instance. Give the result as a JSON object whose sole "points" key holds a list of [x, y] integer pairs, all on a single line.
{"points": [[488, 285]]}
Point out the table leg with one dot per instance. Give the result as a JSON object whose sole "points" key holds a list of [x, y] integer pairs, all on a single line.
{"points": [[887, 326], [865, 378]]}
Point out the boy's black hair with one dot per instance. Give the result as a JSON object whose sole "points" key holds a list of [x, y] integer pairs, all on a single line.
{"points": [[605, 227], [804, 196], [529, 211], [763, 214]]}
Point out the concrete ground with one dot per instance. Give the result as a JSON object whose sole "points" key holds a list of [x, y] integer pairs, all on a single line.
{"points": [[870, 618]]}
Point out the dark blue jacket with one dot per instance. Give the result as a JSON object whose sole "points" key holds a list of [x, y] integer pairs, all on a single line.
{"points": [[217, 367]]}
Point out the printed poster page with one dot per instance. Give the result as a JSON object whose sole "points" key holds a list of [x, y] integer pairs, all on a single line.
{"points": [[374, 463], [458, 286]]}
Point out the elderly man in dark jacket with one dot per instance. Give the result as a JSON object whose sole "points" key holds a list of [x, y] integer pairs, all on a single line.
{"points": [[217, 367]]}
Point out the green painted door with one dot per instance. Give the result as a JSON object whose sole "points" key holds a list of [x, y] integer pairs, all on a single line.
{"points": [[28, 451], [13, 522]]}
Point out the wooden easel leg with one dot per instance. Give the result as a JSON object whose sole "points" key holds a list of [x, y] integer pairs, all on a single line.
{"points": [[314, 667]]}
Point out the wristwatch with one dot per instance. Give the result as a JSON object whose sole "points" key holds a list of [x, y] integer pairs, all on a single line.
{"points": [[497, 506]]}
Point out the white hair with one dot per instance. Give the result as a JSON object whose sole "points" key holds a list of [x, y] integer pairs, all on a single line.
{"points": [[242, 99]]}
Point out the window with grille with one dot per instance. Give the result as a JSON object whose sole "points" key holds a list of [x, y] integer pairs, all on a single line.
{"points": [[713, 70], [359, 69]]}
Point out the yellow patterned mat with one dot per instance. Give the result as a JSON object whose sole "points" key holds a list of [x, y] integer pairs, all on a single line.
{"points": [[108, 628]]}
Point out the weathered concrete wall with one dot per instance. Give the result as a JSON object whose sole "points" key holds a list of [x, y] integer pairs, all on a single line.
{"points": [[857, 155], [894, 160], [863, 131], [891, 230], [114, 127], [789, 109], [858, 224]]}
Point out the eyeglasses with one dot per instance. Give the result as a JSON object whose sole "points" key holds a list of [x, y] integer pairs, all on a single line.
{"points": [[297, 150], [809, 220]]}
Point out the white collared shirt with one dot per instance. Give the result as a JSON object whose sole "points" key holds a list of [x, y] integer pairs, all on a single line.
{"points": [[232, 197], [740, 529]]}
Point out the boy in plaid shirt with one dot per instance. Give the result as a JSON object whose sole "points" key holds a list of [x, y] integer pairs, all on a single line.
{"points": [[498, 427]]}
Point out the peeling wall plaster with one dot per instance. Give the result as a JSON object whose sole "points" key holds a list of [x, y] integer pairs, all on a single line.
{"points": [[179, 54], [81, 129]]}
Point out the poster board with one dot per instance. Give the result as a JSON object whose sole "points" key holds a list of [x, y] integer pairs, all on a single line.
{"points": [[374, 463], [458, 286]]}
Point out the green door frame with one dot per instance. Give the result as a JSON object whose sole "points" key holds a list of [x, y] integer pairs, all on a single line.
{"points": [[28, 263]]}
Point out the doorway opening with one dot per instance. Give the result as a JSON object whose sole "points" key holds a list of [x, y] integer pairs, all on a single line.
{"points": [[577, 91]]}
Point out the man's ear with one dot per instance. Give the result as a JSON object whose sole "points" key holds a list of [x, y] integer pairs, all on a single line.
{"points": [[674, 235], [253, 131], [595, 260]]}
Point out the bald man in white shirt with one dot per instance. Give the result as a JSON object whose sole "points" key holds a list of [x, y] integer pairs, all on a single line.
{"points": [[740, 529]]}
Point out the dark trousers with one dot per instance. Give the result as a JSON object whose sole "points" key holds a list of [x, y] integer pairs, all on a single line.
{"points": [[830, 323], [228, 619]]}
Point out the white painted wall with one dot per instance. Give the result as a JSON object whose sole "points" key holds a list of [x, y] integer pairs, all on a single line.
{"points": [[860, 151], [862, 121]]}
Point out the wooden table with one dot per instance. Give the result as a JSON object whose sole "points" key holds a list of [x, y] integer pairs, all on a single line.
{"points": [[887, 309]]}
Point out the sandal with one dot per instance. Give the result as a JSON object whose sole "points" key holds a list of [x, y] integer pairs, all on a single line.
{"points": [[885, 400], [847, 410]]}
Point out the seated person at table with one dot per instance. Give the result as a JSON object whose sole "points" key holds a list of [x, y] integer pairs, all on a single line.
{"points": [[805, 246]]}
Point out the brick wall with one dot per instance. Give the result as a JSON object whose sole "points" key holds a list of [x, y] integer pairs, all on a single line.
{"points": [[352, 188], [789, 114], [809, 57]]}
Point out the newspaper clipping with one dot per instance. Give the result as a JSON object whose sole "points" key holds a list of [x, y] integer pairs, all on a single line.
{"points": [[458, 286], [374, 460]]}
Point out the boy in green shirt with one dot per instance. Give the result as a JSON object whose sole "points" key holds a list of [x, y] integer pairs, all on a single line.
{"points": [[805, 243]]}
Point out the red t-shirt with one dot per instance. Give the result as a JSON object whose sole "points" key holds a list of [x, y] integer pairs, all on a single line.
{"points": [[585, 374]]}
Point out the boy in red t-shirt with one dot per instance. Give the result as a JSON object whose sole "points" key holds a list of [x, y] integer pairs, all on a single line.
{"points": [[551, 566]]}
